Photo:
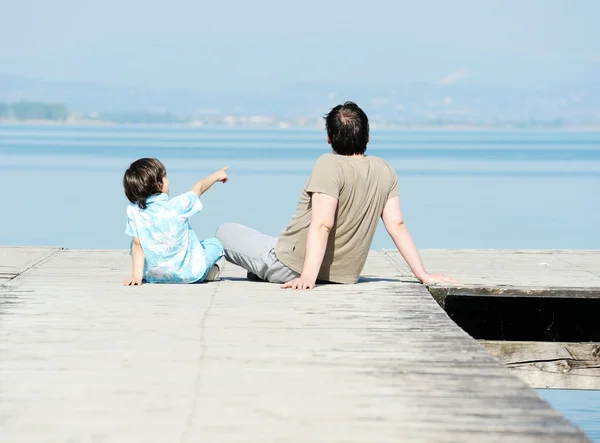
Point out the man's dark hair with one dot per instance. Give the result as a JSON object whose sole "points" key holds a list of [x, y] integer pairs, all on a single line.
{"points": [[143, 178], [348, 129]]}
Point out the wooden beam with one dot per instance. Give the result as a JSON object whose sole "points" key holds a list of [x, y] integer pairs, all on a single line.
{"points": [[550, 365], [440, 292]]}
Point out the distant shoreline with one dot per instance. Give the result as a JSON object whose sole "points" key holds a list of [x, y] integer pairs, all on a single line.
{"points": [[288, 126]]}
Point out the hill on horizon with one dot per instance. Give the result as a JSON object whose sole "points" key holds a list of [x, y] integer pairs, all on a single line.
{"points": [[417, 102]]}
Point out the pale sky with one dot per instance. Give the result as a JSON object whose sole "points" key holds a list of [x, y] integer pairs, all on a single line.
{"points": [[268, 43]]}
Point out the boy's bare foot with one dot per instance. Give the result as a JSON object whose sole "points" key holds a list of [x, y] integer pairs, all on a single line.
{"points": [[214, 274]]}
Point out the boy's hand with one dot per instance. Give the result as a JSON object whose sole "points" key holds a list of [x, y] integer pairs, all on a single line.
{"points": [[221, 175], [135, 281]]}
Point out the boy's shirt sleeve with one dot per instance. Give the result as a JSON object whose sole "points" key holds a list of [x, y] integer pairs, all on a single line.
{"points": [[186, 204]]}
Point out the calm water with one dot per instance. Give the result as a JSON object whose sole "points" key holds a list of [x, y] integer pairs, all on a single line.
{"points": [[62, 186]]}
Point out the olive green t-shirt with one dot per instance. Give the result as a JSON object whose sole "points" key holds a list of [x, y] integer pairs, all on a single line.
{"points": [[362, 186]]}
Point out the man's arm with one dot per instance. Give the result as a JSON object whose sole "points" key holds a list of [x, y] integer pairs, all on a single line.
{"points": [[137, 260], [323, 218], [205, 184], [396, 227]]}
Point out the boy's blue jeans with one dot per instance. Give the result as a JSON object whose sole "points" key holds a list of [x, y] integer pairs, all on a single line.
{"points": [[213, 251]]}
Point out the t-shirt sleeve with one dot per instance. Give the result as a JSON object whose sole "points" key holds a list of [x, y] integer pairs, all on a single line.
{"points": [[325, 177], [186, 204], [131, 228], [394, 188]]}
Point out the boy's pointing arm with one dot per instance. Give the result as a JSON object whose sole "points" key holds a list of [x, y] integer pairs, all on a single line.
{"points": [[204, 185]]}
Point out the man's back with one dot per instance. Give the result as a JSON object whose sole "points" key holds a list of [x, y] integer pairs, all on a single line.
{"points": [[362, 185]]}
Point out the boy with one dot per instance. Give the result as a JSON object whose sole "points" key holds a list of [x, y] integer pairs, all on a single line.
{"points": [[164, 248]]}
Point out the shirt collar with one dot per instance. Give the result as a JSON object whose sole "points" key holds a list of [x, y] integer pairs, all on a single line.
{"points": [[157, 197]]}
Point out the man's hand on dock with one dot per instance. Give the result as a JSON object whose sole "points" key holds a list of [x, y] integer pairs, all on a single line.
{"points": [[299, 283], [431, 279]]}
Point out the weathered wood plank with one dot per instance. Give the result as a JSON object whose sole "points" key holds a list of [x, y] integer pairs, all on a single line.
{"points": [[14, 261], [497, 269], [550, 365], [83, 358]]}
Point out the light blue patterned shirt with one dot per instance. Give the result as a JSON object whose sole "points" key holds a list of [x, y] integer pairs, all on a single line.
{"points": [[171, 248]]}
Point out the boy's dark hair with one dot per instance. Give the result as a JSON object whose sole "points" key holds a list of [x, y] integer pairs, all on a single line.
{"points": [[348, 129], [143, 178]]}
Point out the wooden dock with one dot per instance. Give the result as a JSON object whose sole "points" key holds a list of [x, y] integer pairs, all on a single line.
{"points": [[545, 304], [83, 359]]}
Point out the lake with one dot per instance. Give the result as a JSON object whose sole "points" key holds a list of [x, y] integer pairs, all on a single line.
{"points": [[63, 187]]}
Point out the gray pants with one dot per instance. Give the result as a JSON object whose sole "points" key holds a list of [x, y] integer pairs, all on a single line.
{"points": [[253, 251]]}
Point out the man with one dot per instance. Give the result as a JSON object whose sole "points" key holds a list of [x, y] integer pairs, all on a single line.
{"points": [[329, 237]]}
